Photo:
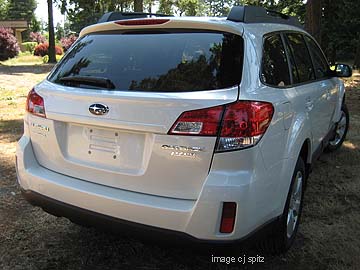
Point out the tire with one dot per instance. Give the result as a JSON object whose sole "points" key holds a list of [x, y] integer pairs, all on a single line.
{"points": [[341, 130], [284, 233]]}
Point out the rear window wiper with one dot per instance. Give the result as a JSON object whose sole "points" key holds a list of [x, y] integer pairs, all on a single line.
{"points": [[87, 80]]}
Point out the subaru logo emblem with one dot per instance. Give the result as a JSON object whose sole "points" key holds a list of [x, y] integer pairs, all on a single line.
{"points": [[98, 109]]}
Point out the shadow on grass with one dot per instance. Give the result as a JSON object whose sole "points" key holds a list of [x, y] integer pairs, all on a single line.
{"points": [[20, 69], [11, 130]]}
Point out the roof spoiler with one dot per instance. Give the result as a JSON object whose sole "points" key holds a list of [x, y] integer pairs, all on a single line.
{"points": [[256, 14], [117, 16]]}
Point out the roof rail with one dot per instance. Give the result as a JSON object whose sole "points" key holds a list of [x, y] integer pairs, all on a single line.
{"points": [[115, 16], [256, 14]]}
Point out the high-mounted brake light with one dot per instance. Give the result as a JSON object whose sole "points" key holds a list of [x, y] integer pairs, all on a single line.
{"points": [[142, 22], [243, 123], [35, 104]]}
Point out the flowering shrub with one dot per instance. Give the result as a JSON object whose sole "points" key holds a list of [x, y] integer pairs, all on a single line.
{"points": [[66, 42], [37, 37], [43, 49], [9, 47]]}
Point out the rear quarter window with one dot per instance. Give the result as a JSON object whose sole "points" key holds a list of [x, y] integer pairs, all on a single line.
{"points": [[154, 61]]}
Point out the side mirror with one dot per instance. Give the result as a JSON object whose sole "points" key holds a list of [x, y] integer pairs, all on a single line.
{"points": [[341, 70]]}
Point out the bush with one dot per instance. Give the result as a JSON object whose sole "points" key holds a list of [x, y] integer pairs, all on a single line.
{"points": [[58, 57], [9, 47], [66, 42], [45, 59], [37, 37], [29, 46], [43, 49]]}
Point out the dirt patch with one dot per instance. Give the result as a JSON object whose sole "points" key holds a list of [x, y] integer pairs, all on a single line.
{"points": [[329, 236]]}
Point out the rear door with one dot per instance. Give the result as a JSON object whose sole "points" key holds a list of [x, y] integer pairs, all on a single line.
{"points": [[146, 80], [311, 93], [326, 84]]}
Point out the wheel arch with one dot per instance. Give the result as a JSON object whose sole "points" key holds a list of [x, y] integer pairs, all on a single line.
{"points": [[300, 139], [340, 102], [299, 144], [305, 154]]}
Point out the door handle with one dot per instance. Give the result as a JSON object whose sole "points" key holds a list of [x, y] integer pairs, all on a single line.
{"points": [[309, 104], [323, 84], [328, 95]]}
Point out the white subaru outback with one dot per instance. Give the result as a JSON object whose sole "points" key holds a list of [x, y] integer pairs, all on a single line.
{"points": [[204, 127]]}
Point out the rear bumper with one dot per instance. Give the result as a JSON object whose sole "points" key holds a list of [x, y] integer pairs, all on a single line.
{"points": [[89, 218], [89, 203]]}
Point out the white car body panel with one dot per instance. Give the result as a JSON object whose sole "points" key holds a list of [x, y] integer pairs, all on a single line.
{"points": [[84, 146]]}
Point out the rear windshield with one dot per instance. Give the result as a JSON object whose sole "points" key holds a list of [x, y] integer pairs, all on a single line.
{"points": [[154, 61]]}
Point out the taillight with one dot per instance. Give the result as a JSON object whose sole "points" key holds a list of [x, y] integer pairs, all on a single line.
{"points": [[35, 104], [204, 122], [142, 21], [242, 123]]}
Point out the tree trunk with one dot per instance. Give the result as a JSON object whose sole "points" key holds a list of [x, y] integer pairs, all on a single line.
{"points": [[313, 19], [357, 56], [138, 5], [150, 6], [52, 55]]}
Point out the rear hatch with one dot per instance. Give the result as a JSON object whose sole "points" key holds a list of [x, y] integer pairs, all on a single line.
{"points": [[113, 98]]}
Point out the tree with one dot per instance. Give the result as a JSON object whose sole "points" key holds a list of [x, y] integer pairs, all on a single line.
{"points": [[217, 7], [35, 25], [21, 9], [60, 32], [3, 9], [334, 23], [52, 55], [81, 13], [313, 18], [182, 7], [340, 24], [166, 6], [148, 5], [357, 55], [138, 5], [290, 7], [187, 7]]}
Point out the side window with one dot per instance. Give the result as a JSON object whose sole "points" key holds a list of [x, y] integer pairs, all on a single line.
{"points": [[293, 69], [275, 69], [302, 58], [320, 64]]}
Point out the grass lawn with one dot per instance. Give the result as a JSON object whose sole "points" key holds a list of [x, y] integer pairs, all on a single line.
{"points": [[328, 239], [27, 59]]}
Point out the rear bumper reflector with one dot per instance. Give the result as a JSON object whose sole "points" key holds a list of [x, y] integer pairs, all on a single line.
{"points": [[228, 217]]}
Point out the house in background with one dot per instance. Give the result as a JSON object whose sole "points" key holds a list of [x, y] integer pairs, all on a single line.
{"points": [[18, 26]]}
